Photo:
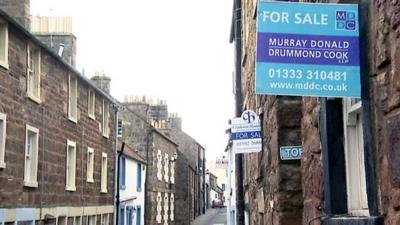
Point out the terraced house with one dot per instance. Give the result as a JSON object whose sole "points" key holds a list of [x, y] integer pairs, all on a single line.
{"points": [[57, 133]]}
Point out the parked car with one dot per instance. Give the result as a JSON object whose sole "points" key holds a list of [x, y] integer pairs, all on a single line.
{"points": [[217, 203]]}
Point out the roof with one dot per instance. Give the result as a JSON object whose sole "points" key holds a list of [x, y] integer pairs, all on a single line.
{"points": [[164, 136], [153, 129], [36, 41], [131, 153]]}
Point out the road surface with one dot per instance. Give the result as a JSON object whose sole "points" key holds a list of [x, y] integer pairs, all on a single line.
{"points": [[212, 217]]}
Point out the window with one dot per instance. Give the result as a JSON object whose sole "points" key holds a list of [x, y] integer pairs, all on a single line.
{"points": [[3, 125], [129, 215], [122, 173], [104, 172], [91, 220], [62, 220], [90, 165], [71, 165], [172, 207], [91, 103], [223, 187], [172, 168], [139, 177], [3, 44], [31, 154], [104, 219], [166, 168], [72, 99], [78, 220], [33, 80], [159, 165], [105, 112], [354, 155], [138, 215], [122, 215]]}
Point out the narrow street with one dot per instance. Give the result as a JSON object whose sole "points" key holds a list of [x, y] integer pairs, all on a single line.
{"points": [[212, 217]]}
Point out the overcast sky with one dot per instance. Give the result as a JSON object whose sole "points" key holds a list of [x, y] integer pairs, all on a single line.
{"points": [[176, 50]]}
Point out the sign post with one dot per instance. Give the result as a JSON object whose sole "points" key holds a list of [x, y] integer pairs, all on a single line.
{"points": [[308, 49], [246, 133]]}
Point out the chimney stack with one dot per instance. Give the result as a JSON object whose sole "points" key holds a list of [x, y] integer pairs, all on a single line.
{"points": [[56, 33], [19, 10], [101, 81]]}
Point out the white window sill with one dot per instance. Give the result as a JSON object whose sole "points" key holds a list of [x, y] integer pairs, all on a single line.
{"points": [[106, 136], [92, 117], [34, 98], [103, 191], [4, 65], [74, 120], [68, 188], [2, 165], [90, 180], [360, 212], [33, 184]]}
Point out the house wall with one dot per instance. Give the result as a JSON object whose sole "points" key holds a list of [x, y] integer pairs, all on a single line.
{"points": [[143, 137], [131, 188], [273, 188], [51, 118]]}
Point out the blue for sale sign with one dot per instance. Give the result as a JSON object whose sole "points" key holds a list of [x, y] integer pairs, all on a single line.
{"points": [[306, 49]]}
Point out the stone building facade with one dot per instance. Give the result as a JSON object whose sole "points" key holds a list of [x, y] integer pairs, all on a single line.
{"points": [[161, 155], [190, 163], [57, 144], [349, 171], [272, 187], [193, 193]]}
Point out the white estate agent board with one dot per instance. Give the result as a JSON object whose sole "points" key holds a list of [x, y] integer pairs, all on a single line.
{"points": [[246, 133]]}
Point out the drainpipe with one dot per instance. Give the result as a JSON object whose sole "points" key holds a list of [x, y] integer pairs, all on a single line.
{"points": [[116, 165], [42, 166], [149, 147], [119, 155], [238, 108]]}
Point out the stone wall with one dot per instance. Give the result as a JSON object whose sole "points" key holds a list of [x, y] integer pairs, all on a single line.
{"points": [[273, 190], [384, 81], [311, 162], [54, 131], [182, 190], [19, 10], [147, 140]]}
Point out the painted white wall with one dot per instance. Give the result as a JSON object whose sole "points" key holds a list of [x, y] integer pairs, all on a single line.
{"points": [[131, 189]]}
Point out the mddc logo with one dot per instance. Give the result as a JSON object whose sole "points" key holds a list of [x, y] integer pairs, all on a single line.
{"points": [[346, 20]]}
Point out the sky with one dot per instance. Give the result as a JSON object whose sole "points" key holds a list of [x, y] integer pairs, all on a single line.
{"points": [[175, 50]]}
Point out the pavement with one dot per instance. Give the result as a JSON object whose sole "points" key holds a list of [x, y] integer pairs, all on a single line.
{"points": [[212, 217]]}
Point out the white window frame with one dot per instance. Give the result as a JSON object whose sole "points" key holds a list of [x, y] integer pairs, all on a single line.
{"points": [[91, 103], [33, 53], [70, 182], [3, 132], [105, 120], [357, 201], [4, 44], [30, 180], [78, 220], [90, 165], [104, 219], [166, 168], [72, 98], [91, 220], [104, 171]]}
